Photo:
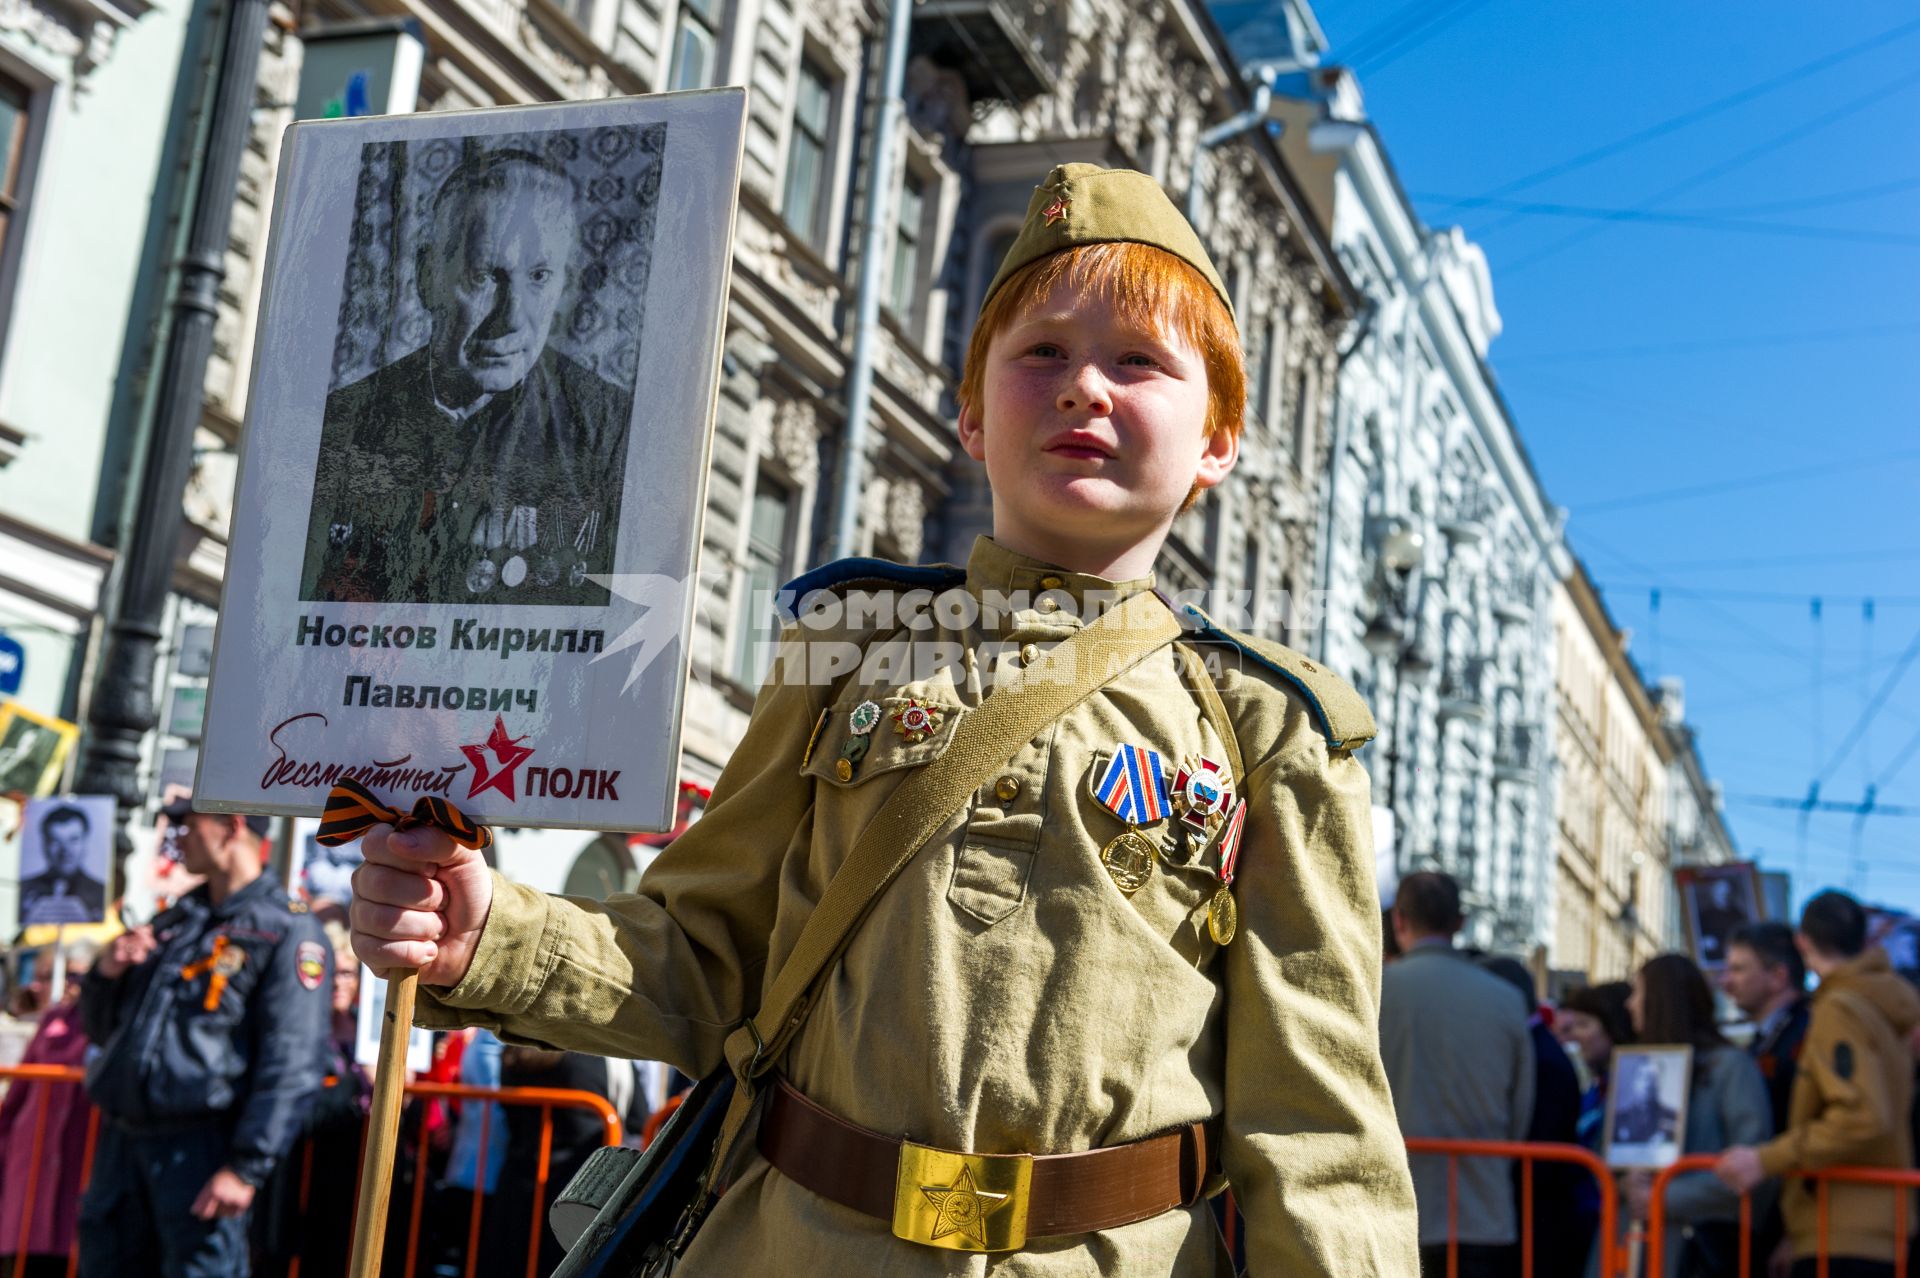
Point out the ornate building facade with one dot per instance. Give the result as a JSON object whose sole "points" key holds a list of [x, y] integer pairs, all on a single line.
{"points": [[1615, 835], [995, 95], [1439, 549], [79, 80]]}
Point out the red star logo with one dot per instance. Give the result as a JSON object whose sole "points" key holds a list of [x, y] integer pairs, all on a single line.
{"points": [[507, 750], [1056, 211]]}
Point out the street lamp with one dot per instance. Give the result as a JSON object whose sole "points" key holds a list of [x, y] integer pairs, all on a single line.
{"points": [[121, 711]]}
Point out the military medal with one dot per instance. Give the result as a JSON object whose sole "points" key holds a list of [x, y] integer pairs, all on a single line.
{"points": [[860, 726], [1223, 916], [1201, 792], [915, 721], [1133, 788]]}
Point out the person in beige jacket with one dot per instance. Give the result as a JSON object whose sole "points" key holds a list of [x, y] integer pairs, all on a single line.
{"points": [[1034, 982], [1850, 1102]]}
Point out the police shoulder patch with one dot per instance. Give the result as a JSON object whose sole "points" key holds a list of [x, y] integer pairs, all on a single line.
{"points": [[1843, 1059], [310, 960]]}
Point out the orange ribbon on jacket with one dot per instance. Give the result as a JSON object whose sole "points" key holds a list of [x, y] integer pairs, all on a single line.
{"points": [[217, 963], [352, 810]]}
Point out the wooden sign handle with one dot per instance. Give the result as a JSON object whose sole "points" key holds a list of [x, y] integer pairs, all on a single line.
{"points": [[383, 1126]]}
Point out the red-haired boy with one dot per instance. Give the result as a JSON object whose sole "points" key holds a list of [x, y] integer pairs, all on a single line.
{"points": [[1142, 957]]}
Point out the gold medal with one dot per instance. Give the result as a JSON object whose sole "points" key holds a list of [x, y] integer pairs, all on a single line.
{"points": [[1129, 859], [1223, 916]]}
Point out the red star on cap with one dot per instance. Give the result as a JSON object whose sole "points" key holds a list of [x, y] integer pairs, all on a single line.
{"points": [[1056, 211], [507, 750]]}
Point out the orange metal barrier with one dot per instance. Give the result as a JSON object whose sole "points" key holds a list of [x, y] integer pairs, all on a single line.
{"points": [[1898, 1180], [547, 1099], [1527, 1153]]}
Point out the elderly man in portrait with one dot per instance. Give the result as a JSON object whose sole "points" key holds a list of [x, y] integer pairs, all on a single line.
{"points": [[484, 467], [64, 892]]}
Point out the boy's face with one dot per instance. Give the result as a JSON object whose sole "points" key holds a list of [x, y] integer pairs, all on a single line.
{"points": [[1093, 431]]}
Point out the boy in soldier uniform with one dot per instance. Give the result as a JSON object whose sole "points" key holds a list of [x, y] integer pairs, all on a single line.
{"points": [[1149, 983]]}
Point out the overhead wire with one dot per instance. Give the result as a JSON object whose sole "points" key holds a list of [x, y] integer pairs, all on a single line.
{"points": [[1762, 480], [1701, 222], [1852, 106], [1693, 346], [1684, 119]]}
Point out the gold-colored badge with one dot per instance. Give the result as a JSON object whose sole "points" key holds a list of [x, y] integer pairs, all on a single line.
{"points": [[1129, 859], [1223, 916]]}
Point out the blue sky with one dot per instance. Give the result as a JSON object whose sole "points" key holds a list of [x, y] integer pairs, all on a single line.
{"points": [[1756, 319]]}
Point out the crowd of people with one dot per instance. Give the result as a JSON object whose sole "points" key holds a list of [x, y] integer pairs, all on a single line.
{"points": [[1822, 1080], [219, 1048], [233, 1108]]}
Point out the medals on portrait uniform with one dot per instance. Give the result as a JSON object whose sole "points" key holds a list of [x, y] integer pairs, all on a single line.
{"points": [[860, 725], [1133, 788], [1223, 916], [1201, 792]]}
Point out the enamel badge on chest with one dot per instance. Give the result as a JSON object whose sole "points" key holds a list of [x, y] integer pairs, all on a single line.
{"points": [[916, 722], [1133, 788], [1202, 790]]}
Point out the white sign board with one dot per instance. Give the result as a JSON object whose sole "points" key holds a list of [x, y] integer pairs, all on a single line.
{"points": [[471, 484]]}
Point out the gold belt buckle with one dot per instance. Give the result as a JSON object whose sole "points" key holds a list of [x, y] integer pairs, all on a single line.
{"points": [[963, 1202]]}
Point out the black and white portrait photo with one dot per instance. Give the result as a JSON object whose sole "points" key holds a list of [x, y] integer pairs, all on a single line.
{"points": [[1717, 900], [65, 846], [477, 424], [1647, 1105], [32, 749], [474, 467]]}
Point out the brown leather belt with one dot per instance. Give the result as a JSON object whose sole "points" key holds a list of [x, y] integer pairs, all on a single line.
{"points": [[981, 1202]]}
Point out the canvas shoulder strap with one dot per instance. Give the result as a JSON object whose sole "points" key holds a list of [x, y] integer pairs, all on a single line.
{"points": [[1015, 713]]}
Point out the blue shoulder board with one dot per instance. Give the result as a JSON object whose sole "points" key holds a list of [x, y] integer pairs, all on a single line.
{"points": [[1342, 714], [843, 574]]}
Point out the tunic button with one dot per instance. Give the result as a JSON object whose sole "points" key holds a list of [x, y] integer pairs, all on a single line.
{"points": [[1029, 654], [1050, 583], [1048, 604], [1008, 788]]}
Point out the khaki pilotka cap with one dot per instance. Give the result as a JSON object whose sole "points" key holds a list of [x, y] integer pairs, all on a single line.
{"points": [[1086, 204]]}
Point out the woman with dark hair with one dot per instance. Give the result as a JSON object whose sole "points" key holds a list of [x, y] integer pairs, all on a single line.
{"points": [[1671, 1005], [1590, 1022]]}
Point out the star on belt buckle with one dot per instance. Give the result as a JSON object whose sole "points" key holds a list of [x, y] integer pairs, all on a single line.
{"points": [[962, 1202]]}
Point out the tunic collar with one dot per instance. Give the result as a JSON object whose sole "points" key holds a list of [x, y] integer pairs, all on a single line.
{"points": [[1021, 595]]}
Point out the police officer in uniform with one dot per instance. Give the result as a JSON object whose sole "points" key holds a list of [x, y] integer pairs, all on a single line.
{"points": [[212, 1027], [1123, 949]]}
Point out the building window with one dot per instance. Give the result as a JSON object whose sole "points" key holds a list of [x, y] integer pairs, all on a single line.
{"points": [[695, 45], [767, 564], [14, 119], [803, 204], [1303, 417], [906, 247]]}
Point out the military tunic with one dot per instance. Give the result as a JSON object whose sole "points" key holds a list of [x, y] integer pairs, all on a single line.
{"points": [[517, 503], [1004, 995]]}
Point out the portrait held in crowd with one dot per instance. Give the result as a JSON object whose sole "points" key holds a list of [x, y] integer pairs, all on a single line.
{"points": [[1716, 901], [33, 749], [465, 535], [1647, 1105], [66, 845], [476, 431]]}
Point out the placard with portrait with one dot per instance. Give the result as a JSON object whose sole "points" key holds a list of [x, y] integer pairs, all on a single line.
{"points": [[474, 468]]}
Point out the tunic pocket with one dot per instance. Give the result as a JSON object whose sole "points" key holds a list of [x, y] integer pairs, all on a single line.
{"points": [[990, 881]]}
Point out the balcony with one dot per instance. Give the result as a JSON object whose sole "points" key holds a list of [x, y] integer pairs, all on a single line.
{"points": [[992, 44], [1515, 752], [1463, 690]]}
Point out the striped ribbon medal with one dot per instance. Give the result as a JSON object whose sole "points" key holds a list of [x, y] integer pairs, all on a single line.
{"points": [[1133, 788], [1223, 916]]}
